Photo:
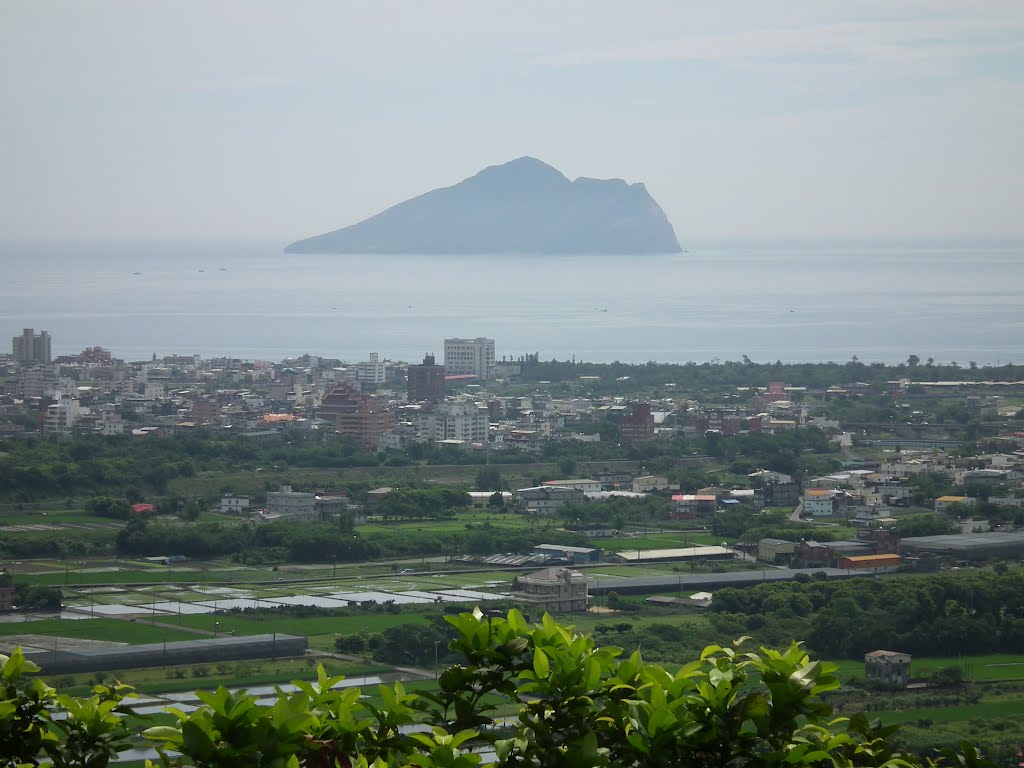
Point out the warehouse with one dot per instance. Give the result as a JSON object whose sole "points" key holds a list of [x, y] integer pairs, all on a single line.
{"points": [[870, 561], [60, 661], [966, 546], [680, 555]]}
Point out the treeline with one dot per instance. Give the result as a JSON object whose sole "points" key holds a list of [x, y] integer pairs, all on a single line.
{"points": [[322, 542], [715, 376], [937, 615], [56, 544]]}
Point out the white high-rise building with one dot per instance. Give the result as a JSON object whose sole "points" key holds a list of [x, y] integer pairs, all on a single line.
{"points": [[454, 421], [464, 357], [372, 371]]}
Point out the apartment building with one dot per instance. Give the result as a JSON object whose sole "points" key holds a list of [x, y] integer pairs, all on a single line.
{"points": [[31, 347], [469, 357], [425, 381]]}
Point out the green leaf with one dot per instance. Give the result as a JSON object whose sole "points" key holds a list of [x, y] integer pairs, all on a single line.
{"points": [[541, 667]]}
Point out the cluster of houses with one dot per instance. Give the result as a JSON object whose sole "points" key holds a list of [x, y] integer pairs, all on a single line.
{"points": [[867, 496], [379, 403]]}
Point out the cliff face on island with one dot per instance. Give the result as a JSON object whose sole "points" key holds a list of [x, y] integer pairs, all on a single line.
{"points": [[523, 206]]}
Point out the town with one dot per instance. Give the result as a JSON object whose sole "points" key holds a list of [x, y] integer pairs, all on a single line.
{"points": [[338, 508]]}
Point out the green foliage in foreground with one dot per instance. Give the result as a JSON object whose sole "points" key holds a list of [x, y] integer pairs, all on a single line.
{"points": [[576, 705]]}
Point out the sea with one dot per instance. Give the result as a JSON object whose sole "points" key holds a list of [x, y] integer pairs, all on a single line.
{"points": [[799, 301]]}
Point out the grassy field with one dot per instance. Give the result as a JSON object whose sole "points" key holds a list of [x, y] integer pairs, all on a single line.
{"points": [[984, 710], [997, 666], [661, 540], [317, 625], [111, 630]]}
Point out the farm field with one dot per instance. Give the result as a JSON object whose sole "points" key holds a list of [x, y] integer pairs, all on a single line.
{"points": [[110, 630], [257, 624], [998, 666], [984, 709]]}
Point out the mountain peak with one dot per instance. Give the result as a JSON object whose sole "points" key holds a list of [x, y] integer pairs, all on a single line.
{"points": [[521, 206]]}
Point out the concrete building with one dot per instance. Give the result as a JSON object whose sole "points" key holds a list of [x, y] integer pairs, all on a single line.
{"points": [[360, 417], [459, 420], [559, 590], [291, 505], [61, 417], [206, 410], [6, 591], [946, 503], [775, 550], [30, 347], [546, 500], [638, 426], [469, 357], [775, 489], [585, 485], [887, 668], [691, 505], [373, 371], [819, 502], [649, 483], [234, 505], [425, 382]]}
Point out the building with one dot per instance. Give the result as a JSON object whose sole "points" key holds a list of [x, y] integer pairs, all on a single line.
{"points": [[556, 590], [638, 426], [373, 371], [291, 505], [585, 485], [31, 347], [679, 555], [775, 489], [566, 552], [819, 502], [469, 357], [691, 505], [206, 410], [546, 500], [946, 503], [887, 668], [6, 591], [458, 420], [649, 483], [966, 546], [360, 417], [870, 561], [61, 417], [75, 658], [234, 505], [775, 550], [425, 382]]}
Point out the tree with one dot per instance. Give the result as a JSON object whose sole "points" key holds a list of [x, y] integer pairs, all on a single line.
{"points": [[573, 704]]}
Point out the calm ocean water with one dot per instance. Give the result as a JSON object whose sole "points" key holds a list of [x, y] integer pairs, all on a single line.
{"points": [[805, 301]]}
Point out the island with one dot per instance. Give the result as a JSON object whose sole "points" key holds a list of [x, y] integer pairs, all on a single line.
{"points": [[520, 207]]}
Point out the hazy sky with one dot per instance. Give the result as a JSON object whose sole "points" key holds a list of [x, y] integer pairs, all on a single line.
{"points": [[279, 120]]}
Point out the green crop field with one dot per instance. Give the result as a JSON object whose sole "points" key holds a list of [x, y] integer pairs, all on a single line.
{"points": [[983, 710], [316, 625], [672, 540], [111, 630]]}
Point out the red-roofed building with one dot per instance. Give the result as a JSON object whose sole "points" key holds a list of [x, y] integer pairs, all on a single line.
{"points": [[143, 509]]}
